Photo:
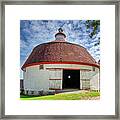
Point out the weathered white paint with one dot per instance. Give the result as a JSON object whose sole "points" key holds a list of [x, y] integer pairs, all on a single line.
{"points": [[68, 66], [55, 79], [94, 82], [57, 84], [85, 84], [88, 81], [36, 79], [56, 74], [87, 74]]}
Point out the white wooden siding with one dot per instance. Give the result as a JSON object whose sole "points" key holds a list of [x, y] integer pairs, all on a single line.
{"points": [[55, 84], [85, 84], [55, 79], [95, 82], [36, 80]]}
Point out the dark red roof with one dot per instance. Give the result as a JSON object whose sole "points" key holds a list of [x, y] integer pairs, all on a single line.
{"points": [[59, 51]]}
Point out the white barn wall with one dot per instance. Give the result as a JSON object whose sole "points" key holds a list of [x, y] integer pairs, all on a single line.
{"points": [[86, 79], [55, 79], [51, 76], [68, 66], [35, 79], [55, 84], [94, 82], [83, 75]]}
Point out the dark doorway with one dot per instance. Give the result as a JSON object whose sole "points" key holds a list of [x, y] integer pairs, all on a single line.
{"points": [[71, 79]]}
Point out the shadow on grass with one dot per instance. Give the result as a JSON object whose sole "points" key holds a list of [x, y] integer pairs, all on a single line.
{"points": [[70, 96], [28, 96]]}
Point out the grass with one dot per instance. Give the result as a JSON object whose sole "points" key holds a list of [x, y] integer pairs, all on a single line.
{"points": [[70, 96]]}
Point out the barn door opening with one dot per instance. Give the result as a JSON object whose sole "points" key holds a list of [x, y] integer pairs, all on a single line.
{"points": [[71, 79]]}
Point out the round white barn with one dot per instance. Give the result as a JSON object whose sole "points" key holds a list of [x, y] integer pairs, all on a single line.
{"points": [[60, 65]]}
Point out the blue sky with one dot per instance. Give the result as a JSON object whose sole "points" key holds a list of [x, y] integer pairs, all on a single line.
{"points": [[34, 32]]}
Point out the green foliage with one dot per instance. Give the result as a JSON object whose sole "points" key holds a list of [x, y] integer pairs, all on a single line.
{"points": [[94, 25]]}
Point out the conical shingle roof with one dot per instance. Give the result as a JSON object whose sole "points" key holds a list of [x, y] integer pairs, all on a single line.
{"points": [[59, 51]]}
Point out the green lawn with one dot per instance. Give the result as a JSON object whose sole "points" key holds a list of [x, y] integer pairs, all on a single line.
{"points": [[70, 96]]}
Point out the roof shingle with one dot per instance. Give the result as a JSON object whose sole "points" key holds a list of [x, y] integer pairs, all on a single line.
{"points": [[58, 51]]}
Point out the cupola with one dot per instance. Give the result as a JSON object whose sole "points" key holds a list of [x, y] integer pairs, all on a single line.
{"points": [[60, 35]]}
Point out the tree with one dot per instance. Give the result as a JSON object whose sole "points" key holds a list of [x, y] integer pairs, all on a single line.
{"points": [[94, 27]]}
